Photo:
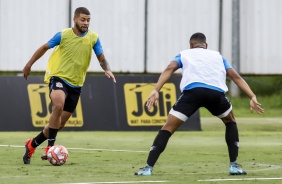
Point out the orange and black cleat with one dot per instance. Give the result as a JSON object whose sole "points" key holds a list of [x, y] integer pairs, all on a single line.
{"points": [[44, 155], [29, 151]]}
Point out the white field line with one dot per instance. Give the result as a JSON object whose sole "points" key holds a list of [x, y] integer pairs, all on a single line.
{"points": [[120, 182], [240, 179], [83, 149], [152, 181], [268, 167]]}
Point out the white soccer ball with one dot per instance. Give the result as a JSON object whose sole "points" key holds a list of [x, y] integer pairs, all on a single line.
{"points": [[57, 155]]}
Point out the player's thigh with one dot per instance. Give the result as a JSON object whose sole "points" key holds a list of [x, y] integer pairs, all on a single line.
{"points": [[58, 98], [58, 91], [69, 107], [72, 99], [218, 104], [188, 103]]}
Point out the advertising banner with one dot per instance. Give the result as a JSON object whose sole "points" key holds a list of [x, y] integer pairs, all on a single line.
{"points": [[103, 105]]}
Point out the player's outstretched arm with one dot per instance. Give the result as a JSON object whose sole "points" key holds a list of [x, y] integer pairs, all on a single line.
{"points": [[38, 54], [152, 99], [242, 84], [106, 67], [166, 74]]}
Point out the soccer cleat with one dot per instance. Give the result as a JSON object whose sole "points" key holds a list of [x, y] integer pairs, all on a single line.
{"points": [[236, 169], [145, 171], [29, 150], [44, 155]]}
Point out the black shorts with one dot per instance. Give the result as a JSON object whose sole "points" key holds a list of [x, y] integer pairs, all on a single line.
{"points": [[191, 100], [72, 94]]}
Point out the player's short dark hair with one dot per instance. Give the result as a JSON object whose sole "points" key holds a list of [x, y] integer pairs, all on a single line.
{"points": [[81, 10], [198, 38]]}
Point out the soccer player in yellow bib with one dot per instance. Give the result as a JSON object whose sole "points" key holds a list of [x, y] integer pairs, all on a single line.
{"points": [[65, 74]]}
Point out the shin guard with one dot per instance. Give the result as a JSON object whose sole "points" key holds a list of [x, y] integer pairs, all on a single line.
{"points": [[232, 140], [158, 147]]}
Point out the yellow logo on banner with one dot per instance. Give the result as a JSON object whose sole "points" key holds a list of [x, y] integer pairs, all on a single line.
{"points": [[41, 107], [137, 113]]}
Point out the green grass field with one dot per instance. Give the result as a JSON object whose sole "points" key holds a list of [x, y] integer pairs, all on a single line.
{"points": [[113, 157]]}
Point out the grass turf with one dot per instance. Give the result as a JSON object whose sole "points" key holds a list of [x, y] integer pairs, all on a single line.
{"points": [[189, 156]]}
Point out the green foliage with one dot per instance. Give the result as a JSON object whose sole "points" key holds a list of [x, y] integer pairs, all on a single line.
{"points": [[265, 85], [272, 105], [189, 156], [269, 93]]}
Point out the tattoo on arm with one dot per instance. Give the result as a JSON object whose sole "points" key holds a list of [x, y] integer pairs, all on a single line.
{"points": [[104, 64]]}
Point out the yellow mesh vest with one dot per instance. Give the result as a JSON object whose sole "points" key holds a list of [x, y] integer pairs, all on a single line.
{"points": [[70, 60]]}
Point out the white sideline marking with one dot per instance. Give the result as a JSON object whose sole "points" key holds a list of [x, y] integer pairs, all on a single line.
{"points": [[241, 179], [92, 149], [267, 167], [120, 182], [84, 149]]}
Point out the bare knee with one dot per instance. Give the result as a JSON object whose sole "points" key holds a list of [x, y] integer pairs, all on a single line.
{"points": [[229, 118], [172, 123], [57, 108]]}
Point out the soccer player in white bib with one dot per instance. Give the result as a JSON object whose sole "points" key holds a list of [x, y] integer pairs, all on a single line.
{"points": [[203, 84]]}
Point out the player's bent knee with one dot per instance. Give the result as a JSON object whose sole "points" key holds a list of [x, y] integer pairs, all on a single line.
{"points": [[226, 113], [179, 115]]}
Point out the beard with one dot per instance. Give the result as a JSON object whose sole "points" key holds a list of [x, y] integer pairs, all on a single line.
{"points": [[79, 28]]}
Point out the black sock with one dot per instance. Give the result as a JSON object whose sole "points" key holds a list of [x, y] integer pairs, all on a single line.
{"points": [[232, 140], [52, 136], [40, 138], [158, 147]]}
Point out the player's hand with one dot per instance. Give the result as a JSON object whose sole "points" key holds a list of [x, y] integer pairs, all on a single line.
{"points": [[26, 71], [152, 99], [254, 105], [109, 74]]}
